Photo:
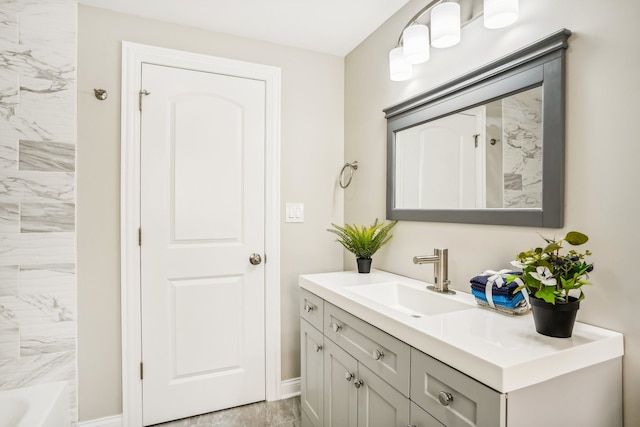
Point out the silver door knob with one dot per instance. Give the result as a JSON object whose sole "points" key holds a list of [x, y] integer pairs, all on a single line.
{"points": [[358, 383], [336, 327], [349, 376], [377, 354], [255, 259], [308, 308], [318, 347], [445, 398]]}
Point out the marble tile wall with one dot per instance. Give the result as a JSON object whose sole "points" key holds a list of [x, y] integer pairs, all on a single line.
{"points": [[522, 149], [37, 193]]}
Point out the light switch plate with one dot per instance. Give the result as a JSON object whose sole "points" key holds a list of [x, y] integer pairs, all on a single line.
{"points": [[294, 212]]}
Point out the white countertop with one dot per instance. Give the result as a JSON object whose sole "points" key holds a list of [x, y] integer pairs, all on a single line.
{"points": [[502, 351]]}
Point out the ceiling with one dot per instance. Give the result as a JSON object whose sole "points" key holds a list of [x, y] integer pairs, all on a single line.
{"points": [[328, 26]]}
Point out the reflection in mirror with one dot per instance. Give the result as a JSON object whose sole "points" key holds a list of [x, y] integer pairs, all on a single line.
{"points": [[488, 156]]}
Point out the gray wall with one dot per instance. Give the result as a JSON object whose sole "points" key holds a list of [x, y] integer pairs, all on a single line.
{"points": [[312, 150], [37, 194], [602, 155]]}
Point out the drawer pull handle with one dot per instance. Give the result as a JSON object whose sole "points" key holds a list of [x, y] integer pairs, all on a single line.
{"points": [[308, 308], [445, 398], [349, 376], [358, 383], [377, 354], [318, 347], [336, 327]]}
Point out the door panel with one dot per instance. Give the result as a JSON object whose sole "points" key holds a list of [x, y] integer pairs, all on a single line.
{"points": [[202, 216], [311, 356], [340, 395], [379, 404], [202, 160]]}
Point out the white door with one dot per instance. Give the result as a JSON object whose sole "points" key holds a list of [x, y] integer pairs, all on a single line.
{"points": [[202, 217], [444, 157]]}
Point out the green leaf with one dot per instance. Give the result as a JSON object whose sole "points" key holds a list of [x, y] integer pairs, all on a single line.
{"points": [[547, 293], [576, 238], [552, 247]]}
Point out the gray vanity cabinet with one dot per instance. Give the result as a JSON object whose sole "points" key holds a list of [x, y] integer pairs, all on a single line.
{"points": [[354, 396], [356, 375]]}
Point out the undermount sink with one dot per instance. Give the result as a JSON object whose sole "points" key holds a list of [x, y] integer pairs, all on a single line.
{"points": [[408, 299]]}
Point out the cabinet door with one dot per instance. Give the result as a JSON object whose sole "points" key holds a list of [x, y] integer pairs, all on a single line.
{"points": [[379, 404], [311, 352], [340, 394], [420, 418]]}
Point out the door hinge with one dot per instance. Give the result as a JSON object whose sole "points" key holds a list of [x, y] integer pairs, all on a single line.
{"points": [[265, 258], [139, 236], [141, 376], [140, 94]]}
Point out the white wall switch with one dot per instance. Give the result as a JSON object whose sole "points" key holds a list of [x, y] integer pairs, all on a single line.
{"points": [[294, 212]]}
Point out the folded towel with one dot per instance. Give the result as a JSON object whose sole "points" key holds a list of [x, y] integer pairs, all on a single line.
{"points": [[520, 308], [500, 300], [479, 283], [505, 290]]}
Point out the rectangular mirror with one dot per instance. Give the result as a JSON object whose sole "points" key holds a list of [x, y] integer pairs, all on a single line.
{"points": [[487, 148]]}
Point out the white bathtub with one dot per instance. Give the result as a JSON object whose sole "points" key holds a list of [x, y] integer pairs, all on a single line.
{"points": [[45, 405]]}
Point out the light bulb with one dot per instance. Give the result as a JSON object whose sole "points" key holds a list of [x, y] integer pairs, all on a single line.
{"points": [[445, 25], [399, 69], [415, 41], [500, 13]]}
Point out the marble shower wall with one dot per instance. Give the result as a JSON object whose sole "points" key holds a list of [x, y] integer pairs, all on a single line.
{"points": [[37, 193], [522, 149]]}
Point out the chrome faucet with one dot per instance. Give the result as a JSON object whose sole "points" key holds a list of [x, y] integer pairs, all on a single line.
{"points": [[440, 259]]}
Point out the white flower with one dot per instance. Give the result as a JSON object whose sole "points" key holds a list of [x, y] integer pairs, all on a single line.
{"points": [[518, 264], [544, 276]]}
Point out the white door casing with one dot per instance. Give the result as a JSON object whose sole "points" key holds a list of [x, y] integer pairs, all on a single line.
{"points": [[202, 216], [134, 55]]}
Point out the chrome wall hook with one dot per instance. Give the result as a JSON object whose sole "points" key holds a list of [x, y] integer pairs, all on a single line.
{"points": [[352, 167], [101, 94]]}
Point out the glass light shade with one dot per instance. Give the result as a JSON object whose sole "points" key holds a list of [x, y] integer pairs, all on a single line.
{"points": [[445, 25], [415, 41], [500, 13], [399, 69]]}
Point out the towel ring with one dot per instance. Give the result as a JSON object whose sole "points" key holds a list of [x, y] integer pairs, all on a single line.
{"points": [[352, 167]]}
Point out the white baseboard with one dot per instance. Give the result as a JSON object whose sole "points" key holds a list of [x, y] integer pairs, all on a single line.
{"points": [[115, 421], [288, 388]]}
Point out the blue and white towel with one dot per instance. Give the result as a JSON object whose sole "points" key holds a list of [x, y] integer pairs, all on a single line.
{"points": [[491, 289]]}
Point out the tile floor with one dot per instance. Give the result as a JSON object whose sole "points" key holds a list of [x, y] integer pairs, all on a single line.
{"points": [[281, 413]]}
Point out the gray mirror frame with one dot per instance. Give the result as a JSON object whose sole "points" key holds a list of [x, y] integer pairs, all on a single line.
{"points": [[539, 64]]}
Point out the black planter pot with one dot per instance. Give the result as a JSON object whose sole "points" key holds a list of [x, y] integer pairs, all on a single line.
{"points": [[364, 265], [554, 320]]}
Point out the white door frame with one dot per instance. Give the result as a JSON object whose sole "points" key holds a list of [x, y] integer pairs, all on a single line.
{"points": [[133, 56]]}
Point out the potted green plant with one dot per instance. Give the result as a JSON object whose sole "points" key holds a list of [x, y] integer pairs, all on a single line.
{"points": [[550, 276], [363, 241]]}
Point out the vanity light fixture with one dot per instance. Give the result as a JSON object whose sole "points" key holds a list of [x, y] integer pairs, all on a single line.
{"points": [[414, 43]]}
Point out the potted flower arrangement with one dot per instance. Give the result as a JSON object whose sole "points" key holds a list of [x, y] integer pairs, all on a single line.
{"points": [[363, 241], [550, 277]]}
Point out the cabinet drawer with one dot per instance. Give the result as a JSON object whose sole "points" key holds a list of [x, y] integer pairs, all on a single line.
{"points": [[311, 308], [466, 402], [385, 355]]}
